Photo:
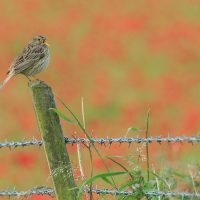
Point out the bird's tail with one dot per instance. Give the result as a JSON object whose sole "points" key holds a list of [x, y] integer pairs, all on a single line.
{"points": [[6, 80]]}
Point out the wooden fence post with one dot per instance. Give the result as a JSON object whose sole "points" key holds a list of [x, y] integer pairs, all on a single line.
{"points": [[54, 145]]}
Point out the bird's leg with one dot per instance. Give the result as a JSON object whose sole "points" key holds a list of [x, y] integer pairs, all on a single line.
{"points": [[37, 79], [34, 78], [28, 78]]}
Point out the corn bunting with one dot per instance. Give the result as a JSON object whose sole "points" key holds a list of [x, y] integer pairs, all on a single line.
{"points": [[32, 60]]}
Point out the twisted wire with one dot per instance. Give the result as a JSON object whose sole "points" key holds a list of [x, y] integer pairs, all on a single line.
{"points": [[50, 191], [110, 141], [35, 190], [147, 193]]}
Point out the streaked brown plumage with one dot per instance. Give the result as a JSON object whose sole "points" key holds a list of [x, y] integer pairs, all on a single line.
{"points": [[32, 60]]}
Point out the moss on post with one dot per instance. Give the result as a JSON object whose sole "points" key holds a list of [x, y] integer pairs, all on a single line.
{"points": [[55, 148]]}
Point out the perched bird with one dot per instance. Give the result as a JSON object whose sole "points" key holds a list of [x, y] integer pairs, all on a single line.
{"points": [[32, 60]]}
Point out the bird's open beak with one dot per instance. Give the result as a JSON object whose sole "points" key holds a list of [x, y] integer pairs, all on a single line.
{"points": [[46, 43]]}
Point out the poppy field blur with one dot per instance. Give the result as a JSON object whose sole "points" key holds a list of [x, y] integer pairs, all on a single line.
{"points": [[123, 58]]}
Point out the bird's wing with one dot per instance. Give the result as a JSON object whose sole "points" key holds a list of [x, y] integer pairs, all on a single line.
{"points": [[28, 57]]}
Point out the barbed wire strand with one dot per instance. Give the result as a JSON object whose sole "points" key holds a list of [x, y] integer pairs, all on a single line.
{"points": [[147, 193], [110, 141], [50, 191], [35, 190]]}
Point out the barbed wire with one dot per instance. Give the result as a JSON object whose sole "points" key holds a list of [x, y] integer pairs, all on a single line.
{"points": [[110, 141], [36, 190], [14, 144], [132, 140], [50, 191], [147, 193]]}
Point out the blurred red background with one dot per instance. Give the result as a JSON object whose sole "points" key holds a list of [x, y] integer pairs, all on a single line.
{"points": [[122, 57]]}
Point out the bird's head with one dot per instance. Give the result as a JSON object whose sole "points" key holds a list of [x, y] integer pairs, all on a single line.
{"points": [[38, 40]]}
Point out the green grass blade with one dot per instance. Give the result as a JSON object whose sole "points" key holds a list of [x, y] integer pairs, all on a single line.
{"points": [[102, 176], [61, 115], [130, 129], [123, 167], [107, 181]]}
